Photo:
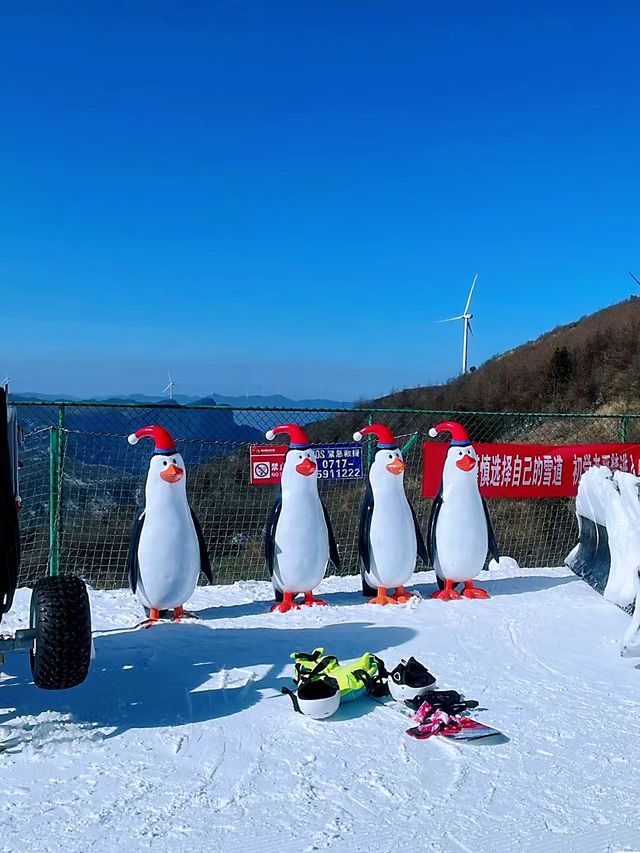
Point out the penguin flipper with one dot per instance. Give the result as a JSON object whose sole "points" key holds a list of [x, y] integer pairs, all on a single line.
{"points": [[132, 557], [205, 563], [333, 548], [494, 550], [366, 513], [422, 549], [431, 530], [270, 534], [367, 590]]}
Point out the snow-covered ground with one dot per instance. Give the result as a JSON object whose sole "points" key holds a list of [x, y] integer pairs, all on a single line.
{"points": [[181, 740]]}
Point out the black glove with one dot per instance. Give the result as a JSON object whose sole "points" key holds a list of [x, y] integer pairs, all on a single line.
{"points": [[449, 701]]}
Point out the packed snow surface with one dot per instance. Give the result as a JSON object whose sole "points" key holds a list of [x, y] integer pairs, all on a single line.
{"points": [[181, 740]]}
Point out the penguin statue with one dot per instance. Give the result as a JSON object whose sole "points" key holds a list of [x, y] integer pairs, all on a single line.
{"points": [[390, 537], [460, 530], [167, 551], [9, 532], [299, 541]]}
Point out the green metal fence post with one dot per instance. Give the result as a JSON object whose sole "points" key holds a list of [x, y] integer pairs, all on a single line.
{"points": [[623, 429], [412, 440], [55, 492], [371, 444]]}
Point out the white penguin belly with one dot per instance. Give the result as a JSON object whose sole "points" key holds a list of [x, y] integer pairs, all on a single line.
{"points": [[301, 546], [169, 561], [461, 539], [392, 543]]}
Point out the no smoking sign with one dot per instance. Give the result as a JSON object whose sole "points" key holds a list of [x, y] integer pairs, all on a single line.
{"points": [[267, 461], [261, 470]]}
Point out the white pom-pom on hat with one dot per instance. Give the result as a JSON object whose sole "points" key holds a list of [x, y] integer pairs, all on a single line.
{"points": [[133, 438], [270, 434], [357, 436], [433, 432]]}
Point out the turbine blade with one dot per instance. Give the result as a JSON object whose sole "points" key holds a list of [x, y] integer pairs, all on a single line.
{"points": [[634, 278], [473, 284], [469, 325], [450, 319]]}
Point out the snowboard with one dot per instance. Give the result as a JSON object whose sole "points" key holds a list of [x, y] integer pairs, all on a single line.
{"points": [[472, 729]]}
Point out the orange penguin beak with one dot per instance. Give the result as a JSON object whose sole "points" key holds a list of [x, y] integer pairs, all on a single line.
{"points": [[467, 463], [306, 467], [172, 474], [395, 467]]}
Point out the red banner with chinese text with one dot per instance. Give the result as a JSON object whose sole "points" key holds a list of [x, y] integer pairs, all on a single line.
{"points": [[531, 470]]}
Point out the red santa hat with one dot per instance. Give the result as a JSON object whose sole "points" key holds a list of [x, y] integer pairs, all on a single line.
{"points": [[386, 439], [299, 438], [163, 441], [459, 434]]}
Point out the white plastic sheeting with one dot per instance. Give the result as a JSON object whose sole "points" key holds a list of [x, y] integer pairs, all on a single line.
{"points": [[611, 500]]}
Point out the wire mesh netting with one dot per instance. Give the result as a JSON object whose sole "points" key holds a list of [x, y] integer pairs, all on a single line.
{"points": [[81, 482]]}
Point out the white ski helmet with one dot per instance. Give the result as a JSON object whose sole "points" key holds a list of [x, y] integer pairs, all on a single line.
{"points": [[318, 699], [409, 679]]}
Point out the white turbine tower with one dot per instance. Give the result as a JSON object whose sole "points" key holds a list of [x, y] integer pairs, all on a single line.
{"points": [[170, 387], [466, 318]]}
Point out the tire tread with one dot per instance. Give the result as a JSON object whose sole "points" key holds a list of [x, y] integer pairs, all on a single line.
{"points": [[61, 616]]}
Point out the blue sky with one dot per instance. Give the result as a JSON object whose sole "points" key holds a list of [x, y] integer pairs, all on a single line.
{"points": [[283, 196]]}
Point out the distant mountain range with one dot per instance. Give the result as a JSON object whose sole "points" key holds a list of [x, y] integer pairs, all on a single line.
{"points": [[274, 401], [95, 432]]}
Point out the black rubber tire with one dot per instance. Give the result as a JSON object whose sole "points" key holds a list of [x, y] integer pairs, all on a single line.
{"points": [[61, 618]]}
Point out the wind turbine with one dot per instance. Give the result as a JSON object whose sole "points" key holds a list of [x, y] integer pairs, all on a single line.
{"points": [[170, 387], [466, 318]]}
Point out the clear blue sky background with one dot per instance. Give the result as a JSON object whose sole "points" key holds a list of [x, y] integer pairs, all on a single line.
{"points": [[282, 196]]}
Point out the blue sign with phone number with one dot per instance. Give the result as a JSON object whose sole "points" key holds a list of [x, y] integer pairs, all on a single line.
{"points": [[339, 462]]}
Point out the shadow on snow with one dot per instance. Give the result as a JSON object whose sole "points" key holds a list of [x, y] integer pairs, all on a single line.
{"points": [[503, 586], [176, 674]]}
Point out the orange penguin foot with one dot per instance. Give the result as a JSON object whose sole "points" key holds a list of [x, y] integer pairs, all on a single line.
{"points": [[310, 601], [471, 591], [382, 598], [180, 613], [286, 604], [402, 596], [446, 594], [154, 616]]}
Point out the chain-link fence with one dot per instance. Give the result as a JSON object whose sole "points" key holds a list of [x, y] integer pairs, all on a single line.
{"points": [[81, 481]]}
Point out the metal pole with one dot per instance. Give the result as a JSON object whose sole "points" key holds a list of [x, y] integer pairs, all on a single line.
{"points": [[55, 493], [411, 441], [464, 346], [623, 429], [370, 445]]}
